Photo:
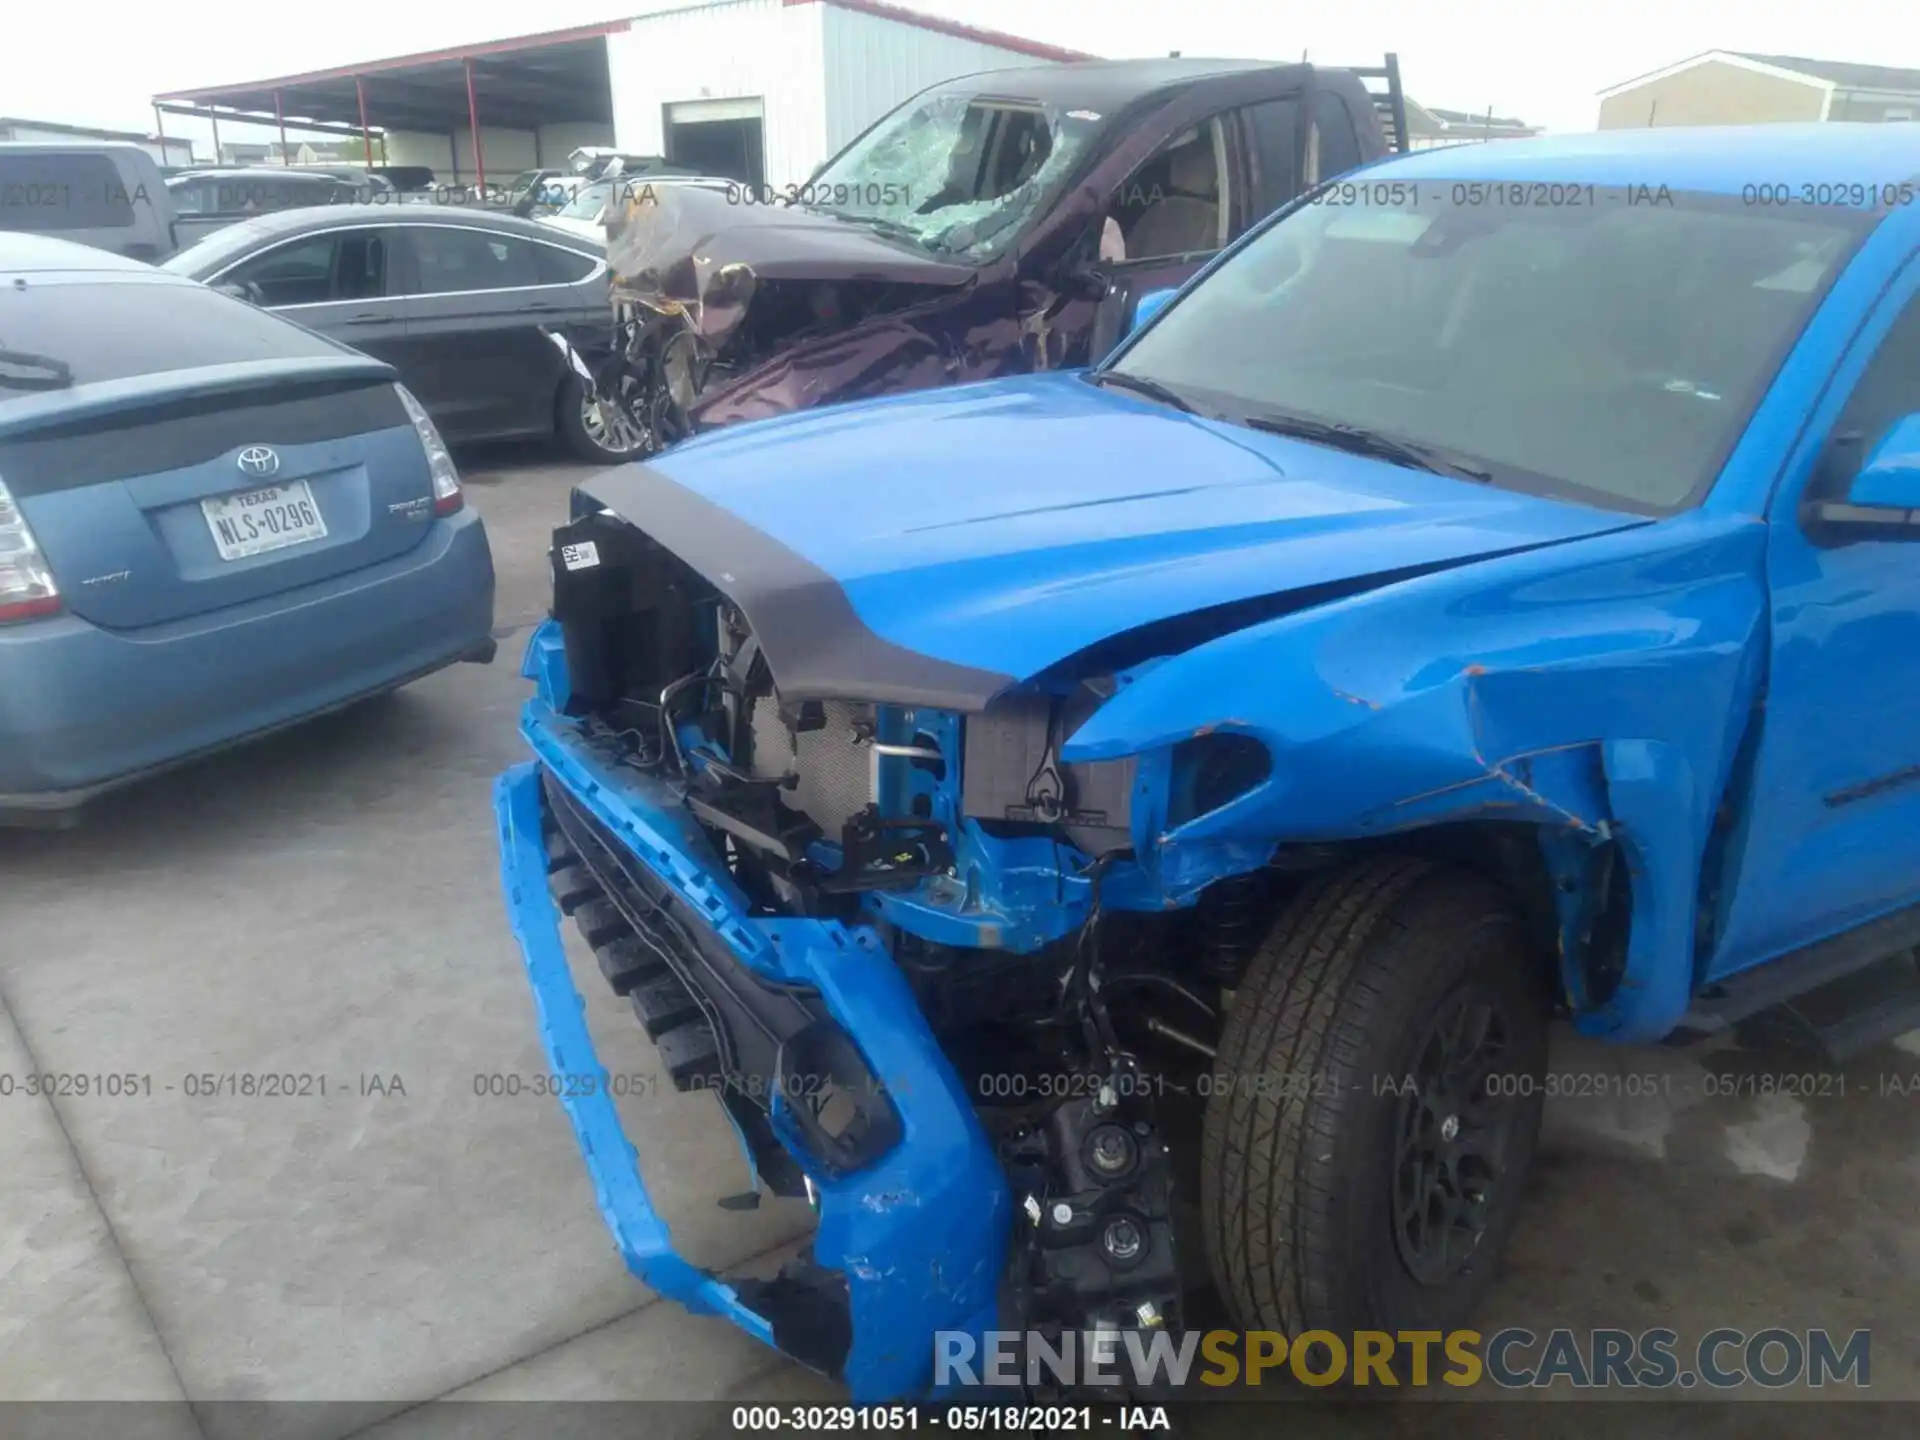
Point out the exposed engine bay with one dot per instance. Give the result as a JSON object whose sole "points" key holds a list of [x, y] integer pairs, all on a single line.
{"points": [[1078, 1006]]}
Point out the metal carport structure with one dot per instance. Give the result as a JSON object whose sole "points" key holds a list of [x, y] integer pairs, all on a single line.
{"points": [[558, 77]]}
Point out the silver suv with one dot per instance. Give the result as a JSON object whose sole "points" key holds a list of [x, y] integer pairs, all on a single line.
{"points": [[108, 196]]}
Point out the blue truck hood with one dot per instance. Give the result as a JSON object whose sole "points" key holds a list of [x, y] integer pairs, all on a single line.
{"points": [[1002, 528]]}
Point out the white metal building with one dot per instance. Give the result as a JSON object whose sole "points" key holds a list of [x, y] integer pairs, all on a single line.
{"points": [[794, 81], [761, 90], [50, 132]]}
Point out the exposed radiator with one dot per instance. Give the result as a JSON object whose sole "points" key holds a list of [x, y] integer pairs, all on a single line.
{"points": [[835, 774]]}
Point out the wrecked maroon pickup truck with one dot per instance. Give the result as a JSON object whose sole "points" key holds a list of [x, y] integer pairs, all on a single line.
{"points": [[996, 223]]}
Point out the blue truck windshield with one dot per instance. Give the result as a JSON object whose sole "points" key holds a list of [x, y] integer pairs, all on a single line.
{"points": [[1599, 349]]}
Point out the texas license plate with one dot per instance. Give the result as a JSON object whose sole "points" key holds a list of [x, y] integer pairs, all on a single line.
{"points": [[256, 521]]}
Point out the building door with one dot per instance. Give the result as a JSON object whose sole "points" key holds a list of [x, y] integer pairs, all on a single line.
{"points": [[718, 137]]}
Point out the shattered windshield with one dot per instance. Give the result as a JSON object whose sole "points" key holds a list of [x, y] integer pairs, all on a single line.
{"points": [[956, 173]]}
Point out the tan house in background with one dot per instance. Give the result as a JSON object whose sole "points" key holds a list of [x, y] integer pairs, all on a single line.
{"points": [[1729, 87]]}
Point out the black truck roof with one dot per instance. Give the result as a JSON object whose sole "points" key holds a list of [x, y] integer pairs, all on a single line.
{"points": [[1112, 85], [1104, 83]]}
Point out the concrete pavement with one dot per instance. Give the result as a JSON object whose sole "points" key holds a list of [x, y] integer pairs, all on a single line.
{"points": [[321, 910]]}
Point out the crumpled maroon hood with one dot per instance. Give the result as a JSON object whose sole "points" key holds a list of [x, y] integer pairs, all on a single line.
{"points": [[701, 251]]}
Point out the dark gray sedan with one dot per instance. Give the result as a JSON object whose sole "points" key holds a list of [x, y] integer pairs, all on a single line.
{"points": [[456, 300]]}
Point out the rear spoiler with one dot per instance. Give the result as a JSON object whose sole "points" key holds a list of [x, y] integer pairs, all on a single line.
{"points": [[1390, 101], [26, 412]]}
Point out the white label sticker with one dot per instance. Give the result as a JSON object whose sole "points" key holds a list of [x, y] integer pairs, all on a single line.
{"points": [[583, 556]]}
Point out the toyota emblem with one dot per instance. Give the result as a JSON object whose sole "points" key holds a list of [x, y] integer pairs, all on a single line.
{"points": [[259, 462]]}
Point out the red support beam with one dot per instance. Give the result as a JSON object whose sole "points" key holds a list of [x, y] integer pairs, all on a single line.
{"points": [[160, 129], [215, 117], [366, 136], [473, 124], [403, 62], [280, 119]]}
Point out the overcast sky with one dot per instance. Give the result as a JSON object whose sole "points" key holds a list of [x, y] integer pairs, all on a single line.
{"points": [[1542, 60]]}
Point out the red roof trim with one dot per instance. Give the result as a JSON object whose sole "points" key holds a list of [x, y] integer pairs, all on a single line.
{"points": [[209, 94], [999, 39]]}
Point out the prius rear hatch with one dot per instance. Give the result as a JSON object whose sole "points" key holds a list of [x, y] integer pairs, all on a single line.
{"points": [[158, 493]]}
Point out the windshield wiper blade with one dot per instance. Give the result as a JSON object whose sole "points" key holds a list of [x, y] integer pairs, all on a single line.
{"points": [[54, 374], [1141, 385], [893, 229], [1358, 440]]}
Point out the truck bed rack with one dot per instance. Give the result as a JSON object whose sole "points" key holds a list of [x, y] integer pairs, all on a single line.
{"points": [[1389, 99]]}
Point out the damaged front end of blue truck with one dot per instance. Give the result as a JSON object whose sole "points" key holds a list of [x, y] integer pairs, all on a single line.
{"points": [[951, 919], [1104, 837]]}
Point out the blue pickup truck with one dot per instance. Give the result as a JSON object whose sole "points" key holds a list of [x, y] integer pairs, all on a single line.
{"points": [[1044, 810]]}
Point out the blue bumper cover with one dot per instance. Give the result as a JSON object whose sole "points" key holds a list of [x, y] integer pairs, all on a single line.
{"points": [[920, 1234]]}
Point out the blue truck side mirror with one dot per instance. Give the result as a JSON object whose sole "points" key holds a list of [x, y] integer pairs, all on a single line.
{"points": [[1884, 495], [1150, 305], [1890, 480]]}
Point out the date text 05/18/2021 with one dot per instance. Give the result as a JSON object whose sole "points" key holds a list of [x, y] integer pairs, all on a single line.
{"points": [[1001, 1419]]}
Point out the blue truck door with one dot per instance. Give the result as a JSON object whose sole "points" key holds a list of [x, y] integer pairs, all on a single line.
{"points": [[1833, 826]]}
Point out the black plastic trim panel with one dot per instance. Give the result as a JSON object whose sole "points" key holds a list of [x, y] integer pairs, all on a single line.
{"points": [[714, 1021], [815, 642]]}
